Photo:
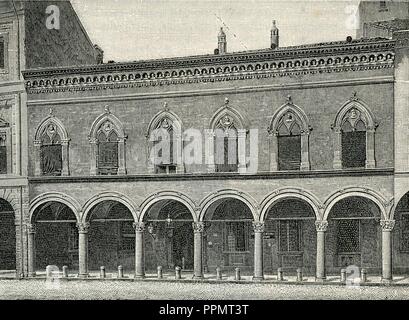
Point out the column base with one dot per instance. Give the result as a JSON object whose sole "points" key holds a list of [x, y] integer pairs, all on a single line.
{"points": [[198, 277], [32, 274], [258, 278], [320, 279], [83, 276], [386, 281], [139, 276]]}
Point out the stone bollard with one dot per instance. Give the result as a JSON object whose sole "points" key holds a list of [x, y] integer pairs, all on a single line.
{"points": [[120, 272], [160, 272], [364, 275], [178, 273], [102, 273], [219, 275], [237, 274], [65, 272], [343, 275], [299, 275], [280, 276]]}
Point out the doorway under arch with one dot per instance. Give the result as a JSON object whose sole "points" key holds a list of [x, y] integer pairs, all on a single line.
{"points": [[7, 239]]}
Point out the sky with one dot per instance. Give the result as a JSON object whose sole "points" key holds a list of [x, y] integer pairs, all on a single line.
{"points": [[129, 30]]}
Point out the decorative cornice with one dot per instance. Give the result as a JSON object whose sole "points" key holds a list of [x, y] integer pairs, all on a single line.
{"points": [[314, 59], [214, 176]]}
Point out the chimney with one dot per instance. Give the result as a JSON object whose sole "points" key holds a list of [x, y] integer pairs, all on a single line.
{"points": [[275, 38]]}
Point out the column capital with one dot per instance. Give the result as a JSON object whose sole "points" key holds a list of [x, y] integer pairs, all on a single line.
{"points": [[139, 226], [321, 225], [198, 226], [258, 226], [83, 227], [387, 225], [31, 228]]}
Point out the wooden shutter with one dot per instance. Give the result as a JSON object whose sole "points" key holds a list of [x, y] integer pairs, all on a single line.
{"points": [[3, 159], [354, 149], [51, 159], [289, 152]]}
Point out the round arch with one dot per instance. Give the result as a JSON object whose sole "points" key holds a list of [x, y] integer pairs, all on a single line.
{"points": [[109, 196], [167, 195], [356, 192], [226, 194], [55, 197], [290, 193]]}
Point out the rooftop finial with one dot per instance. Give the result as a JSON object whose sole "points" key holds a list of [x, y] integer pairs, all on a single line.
{"points": [[51, 111], [107, 109], [289, 99], [226, 101]]}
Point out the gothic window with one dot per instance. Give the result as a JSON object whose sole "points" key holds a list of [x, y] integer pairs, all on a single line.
{"points": [[107, 140], [289, 143], [226, 145], [3, 153], [348, 236], [289, 235], [289, 139], [354, 139], [2, 53], [404, 235], [107, 143], [226, 141], [165, 144], [236, 236], [51, 152]]}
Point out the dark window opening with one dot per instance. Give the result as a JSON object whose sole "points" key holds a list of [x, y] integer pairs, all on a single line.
{"points": [[289, 152], [348, 236], [51, 159], [3, 159], [127, 236], [236, 236], [382, 6], [165, 169], [2, 54], [354, 149], [404, 236], [290, 236]]}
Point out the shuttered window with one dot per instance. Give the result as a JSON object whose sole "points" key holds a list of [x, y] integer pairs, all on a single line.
{"points": [[289, 152], [3, 159], [108, 153], [227, 162], [51, 153]]}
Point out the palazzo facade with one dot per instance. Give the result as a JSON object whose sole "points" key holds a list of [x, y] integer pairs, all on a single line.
{"points": [[302, 161]]}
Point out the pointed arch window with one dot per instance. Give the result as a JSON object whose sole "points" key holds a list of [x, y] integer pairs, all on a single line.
{"points": [[226, 141], [354, 139], [5, 148], [51, 152], [165, 144], [289, 139], [52, 148], [107, 140]]}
